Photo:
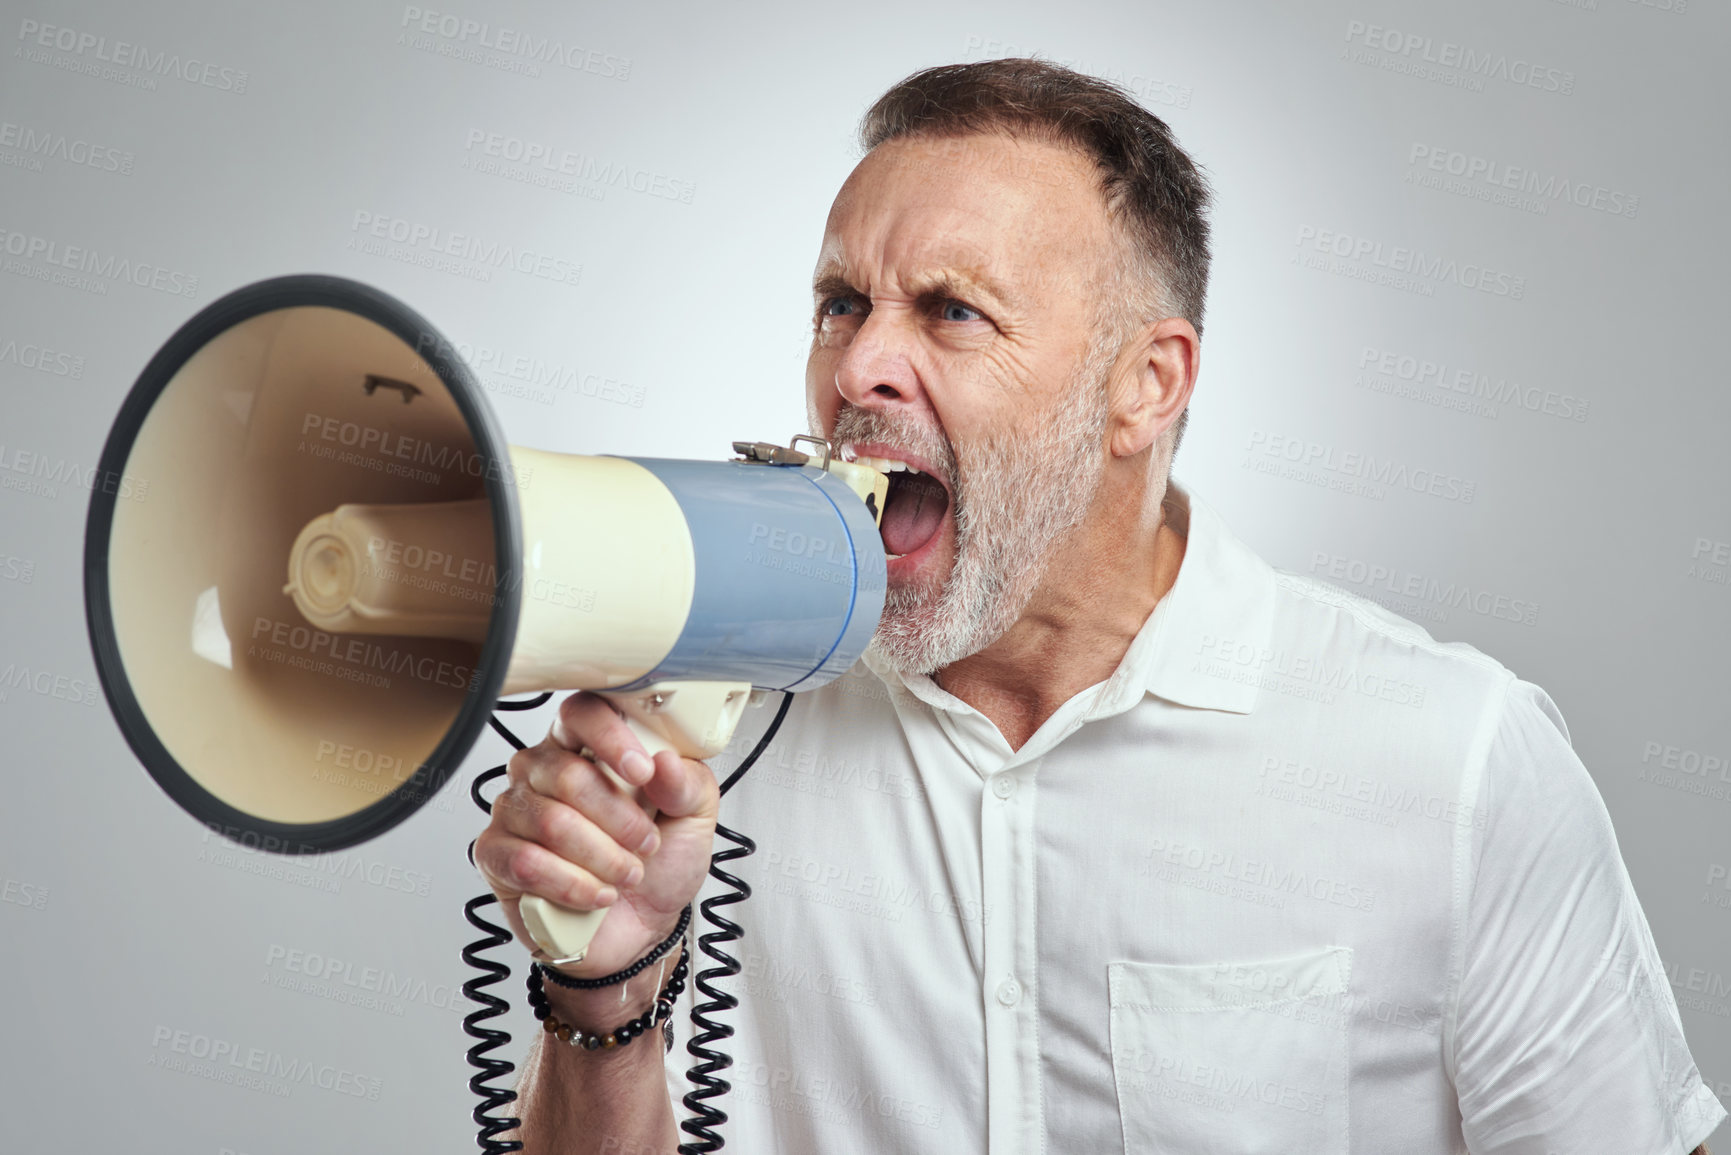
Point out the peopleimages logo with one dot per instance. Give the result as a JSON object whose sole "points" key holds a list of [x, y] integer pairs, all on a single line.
{"points": [[352, 658], [40, 358], [540, 163], [1399, 589], [444, 250], [88, 53], [38, 474], [473, 39], [514, 373], [401, 454], [340, 980], [1362, 474], [82, 267], [1458, 387], [1446, 61], [1705, 774], [1485, 178], [1399, 266], [1710, 561], [258, 1068], [29, 145], [1279, 670], [48, 684]]}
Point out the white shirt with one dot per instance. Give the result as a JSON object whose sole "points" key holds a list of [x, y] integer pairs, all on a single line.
{"points": [[1296, 878]]}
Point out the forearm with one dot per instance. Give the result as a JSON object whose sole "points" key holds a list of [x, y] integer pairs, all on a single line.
{"points": [[603, 1102]]}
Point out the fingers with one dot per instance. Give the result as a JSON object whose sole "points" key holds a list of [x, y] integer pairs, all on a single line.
{"points": [[557, 773], [681, 788], [569, 832], [515, 867], [587, 720], [678, 787]]}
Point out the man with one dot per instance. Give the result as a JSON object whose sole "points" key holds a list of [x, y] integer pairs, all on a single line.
{"points": [[1123, 841]]}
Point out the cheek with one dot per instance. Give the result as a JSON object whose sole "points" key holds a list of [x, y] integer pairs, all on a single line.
{"points": [[821, 395], [998, 376]]}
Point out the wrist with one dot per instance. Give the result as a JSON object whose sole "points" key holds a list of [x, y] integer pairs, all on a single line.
{"points": [[579, 1031], [603, 1009], [558, 976]]}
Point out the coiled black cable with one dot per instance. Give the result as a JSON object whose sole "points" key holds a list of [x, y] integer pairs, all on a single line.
{"points": [[493, 971], [706, 1116]]}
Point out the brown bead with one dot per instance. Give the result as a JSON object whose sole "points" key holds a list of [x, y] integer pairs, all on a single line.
{"points": [[549, 1025], [564, 1033], [609, 1040]]}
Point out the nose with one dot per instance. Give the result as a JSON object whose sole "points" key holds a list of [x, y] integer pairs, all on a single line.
{"points": [[876, 370]]}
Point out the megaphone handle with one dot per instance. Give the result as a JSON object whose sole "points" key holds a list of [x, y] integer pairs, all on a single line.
{"points": [[564, 935]]}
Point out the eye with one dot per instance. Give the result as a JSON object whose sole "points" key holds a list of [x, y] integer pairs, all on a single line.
{"points": [[839, 307], [956, 311]]}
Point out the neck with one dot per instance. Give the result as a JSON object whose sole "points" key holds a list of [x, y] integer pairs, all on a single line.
{"points": [[1098, 590]]}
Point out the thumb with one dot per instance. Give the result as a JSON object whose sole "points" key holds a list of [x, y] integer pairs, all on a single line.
{"points": [[682, 788]]}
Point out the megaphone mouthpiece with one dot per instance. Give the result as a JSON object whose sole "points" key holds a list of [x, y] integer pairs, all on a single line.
{"points": [[396, 569]]}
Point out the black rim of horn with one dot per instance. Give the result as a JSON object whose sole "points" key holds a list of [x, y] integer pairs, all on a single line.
{"points": [[410, 795]]}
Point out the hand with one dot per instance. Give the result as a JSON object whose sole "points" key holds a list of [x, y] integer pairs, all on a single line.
{"points": [[567, 831]]}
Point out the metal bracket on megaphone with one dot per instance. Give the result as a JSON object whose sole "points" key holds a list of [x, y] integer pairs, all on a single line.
{"points": [[872, 486]]}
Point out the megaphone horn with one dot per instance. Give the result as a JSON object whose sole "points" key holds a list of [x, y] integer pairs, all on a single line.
{"points": [[338, 565]]}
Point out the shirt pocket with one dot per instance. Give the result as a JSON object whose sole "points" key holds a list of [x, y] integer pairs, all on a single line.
{"points": [[1232, 1057]]}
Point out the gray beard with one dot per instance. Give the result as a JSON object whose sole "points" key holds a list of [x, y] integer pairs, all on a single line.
{"points": [[1015, 499]]}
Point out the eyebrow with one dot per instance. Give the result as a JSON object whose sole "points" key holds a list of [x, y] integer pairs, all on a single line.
{"points": [[939, 284]]}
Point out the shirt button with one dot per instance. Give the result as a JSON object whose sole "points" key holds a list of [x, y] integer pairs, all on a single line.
{"points": [[1003, 786], [1009, 992]]}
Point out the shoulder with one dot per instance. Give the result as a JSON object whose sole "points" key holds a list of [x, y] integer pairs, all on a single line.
{"points": [[1362, 654], [1301, 599]]}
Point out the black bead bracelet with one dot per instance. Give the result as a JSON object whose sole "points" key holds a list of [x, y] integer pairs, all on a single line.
{"points": [[630, 972], [661, 1011]]}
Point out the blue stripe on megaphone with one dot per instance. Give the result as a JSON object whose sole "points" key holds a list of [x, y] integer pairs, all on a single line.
{"points": [[790, 574]]}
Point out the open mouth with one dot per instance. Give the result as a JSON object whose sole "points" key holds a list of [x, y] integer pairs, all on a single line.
{"points": [[914, 510]]}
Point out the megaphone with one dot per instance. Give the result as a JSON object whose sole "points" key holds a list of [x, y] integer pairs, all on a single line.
{"points": [[319, 564]]}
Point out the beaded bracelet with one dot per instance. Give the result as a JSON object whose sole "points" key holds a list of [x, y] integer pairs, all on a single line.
{"points": [[630, 972], [661, 1011]]}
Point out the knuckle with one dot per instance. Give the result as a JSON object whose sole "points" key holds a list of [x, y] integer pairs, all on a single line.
{"points": [[488, 859], [624, 862], [633, 826], [523, 866], [580, 891], [510, 805], [578, 784], [551, 823]]}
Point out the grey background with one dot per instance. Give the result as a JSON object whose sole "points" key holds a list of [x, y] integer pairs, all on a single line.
{"points": [[121, 921]]}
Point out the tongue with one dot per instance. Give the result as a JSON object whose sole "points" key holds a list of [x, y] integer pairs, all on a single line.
{"points": [[914, 512]]}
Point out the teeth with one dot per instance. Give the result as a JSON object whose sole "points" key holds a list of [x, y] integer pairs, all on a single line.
{"points": [[895, 556], [885, 464]]}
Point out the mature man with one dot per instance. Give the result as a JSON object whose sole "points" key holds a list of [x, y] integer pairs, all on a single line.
{"points": [[1124, 841]]}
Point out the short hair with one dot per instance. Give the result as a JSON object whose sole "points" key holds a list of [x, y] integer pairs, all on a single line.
{"points": [[1156, 194]]}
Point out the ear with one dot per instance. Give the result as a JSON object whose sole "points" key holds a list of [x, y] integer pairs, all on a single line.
{"points": [[1151, 383]]}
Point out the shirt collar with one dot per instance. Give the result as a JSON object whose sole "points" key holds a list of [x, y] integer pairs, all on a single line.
{"points": [[1221, 602]]}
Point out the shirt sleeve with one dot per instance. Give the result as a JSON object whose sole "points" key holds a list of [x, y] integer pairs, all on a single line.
{"points": [[1566, 1038]]}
